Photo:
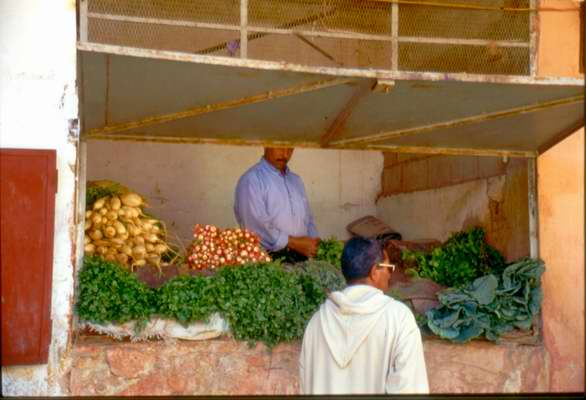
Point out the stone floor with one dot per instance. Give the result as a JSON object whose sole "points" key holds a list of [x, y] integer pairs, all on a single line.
{"points": [[102, 366]]}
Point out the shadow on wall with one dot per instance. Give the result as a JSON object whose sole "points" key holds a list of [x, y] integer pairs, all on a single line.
{"points": [[431, 197]]}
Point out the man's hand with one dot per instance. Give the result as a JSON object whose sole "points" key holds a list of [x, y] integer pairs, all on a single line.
{"points": [[304, 245]]}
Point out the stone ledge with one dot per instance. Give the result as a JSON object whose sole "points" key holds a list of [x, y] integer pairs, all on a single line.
{"points": [[102, 366]]}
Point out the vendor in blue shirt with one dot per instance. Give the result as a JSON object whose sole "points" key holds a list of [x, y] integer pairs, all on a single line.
{"points": [[271, 201]]}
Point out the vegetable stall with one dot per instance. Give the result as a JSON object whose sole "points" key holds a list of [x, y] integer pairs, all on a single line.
{"points": [[199, 87], [225, 273]]}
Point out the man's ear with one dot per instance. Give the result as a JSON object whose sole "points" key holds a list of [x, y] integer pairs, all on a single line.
{"points": [[373, 273]]}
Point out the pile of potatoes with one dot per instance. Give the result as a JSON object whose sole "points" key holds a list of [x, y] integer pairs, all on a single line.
{"points": [[117, 230]]}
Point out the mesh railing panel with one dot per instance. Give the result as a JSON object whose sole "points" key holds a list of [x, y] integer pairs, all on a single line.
{"points": [[472, 36]]}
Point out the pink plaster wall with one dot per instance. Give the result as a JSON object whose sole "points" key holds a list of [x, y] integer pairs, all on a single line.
{"points": [[102, 367], [559, 39], [561, 237]]}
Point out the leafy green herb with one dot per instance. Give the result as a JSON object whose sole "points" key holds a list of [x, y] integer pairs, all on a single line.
{"points": [[330, 250], [490, 305], [109, 293], [94, 193], [261, 302], [328, 277], [464, 257], [187, 299]]}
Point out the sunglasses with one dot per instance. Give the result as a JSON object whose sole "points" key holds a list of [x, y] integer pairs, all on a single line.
{"points": [[385, 265]]}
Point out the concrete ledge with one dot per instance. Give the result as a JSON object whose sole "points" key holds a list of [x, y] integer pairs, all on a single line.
{"points": [[102, 366]]}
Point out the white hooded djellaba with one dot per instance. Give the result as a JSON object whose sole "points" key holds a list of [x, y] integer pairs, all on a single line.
{"points": [[362, 342]]}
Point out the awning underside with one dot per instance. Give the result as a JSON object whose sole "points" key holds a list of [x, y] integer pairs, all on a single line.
{"points": [[132, 98]]}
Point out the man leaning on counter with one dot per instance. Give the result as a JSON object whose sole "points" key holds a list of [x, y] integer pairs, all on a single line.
{"points": [[271, 201]]}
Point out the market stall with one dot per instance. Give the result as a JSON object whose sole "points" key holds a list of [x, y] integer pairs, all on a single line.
{"points": [[171, 97]]}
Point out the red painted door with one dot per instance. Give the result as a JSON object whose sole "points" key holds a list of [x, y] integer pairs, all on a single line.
{"points": [[27, 209]]}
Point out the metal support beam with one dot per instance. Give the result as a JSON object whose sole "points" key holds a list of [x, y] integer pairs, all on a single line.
{"points": [[395, 36], [289, 143], [225, 105], [334, 130], [533, 37], [379, 137], [243, 28], [200, 140], [83, 17], [451, 151], [257, 35], [332, 71], [533, 210], [317, 48]]}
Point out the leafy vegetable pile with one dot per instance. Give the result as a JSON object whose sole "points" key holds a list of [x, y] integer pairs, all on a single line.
{"points": [[262, 302], [464, 257], [109, 293], [330, 250], [490, 305]]}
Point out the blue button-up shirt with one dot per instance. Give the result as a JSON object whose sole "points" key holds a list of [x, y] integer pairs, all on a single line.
{"points": [[274, 205]]}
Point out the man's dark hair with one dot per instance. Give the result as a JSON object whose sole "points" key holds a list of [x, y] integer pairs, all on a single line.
{"points": [[359, 256]]}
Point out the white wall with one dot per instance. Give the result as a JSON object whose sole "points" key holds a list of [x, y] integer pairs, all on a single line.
{"points": [[187, 184], [37, 99], [436, 213]]}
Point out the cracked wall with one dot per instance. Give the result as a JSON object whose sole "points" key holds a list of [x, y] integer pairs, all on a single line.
{"points": [[37, 100]]}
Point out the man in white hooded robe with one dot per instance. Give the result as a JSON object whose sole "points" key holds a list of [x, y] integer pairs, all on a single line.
{"points": [[362, 341]]}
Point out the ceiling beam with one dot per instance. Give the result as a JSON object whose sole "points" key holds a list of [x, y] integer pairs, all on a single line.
{"points": [[334, 71], [389, 135], [275, 143], [453, 151], [224, 105], [336, 127]]}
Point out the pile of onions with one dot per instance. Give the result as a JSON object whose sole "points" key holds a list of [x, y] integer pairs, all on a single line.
{"points": [[117, 230], [213, 247]]}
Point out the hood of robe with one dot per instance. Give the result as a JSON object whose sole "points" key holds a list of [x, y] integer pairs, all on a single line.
{"points": [[348, 317]]}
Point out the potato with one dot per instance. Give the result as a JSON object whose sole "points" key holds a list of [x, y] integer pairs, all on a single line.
{"points": [[151, 237], [149, 247], [131, 199], [103, 211], [98, 204], [87, 225], [109, 231], [122, 258], [139, 241], [115, 203], [160, 248], [112, 215], [139, 251], [117, 243], [89, 248], [88, 214], [126, 250], [96, 234], [120, 228], [97, 219]]}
